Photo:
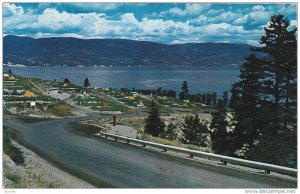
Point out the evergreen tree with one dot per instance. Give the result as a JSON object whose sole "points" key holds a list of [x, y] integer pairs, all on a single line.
{"points": [[264, 100], [154, 124], [221, 138], [158, 91], [9, 72], [281, 64], [86, 83], [194, 132], [185, 91], [225, 98], [280, 46], [170, 132], [208, 99], [245, 100], [66, 81], [204, 99], [214, 99]]}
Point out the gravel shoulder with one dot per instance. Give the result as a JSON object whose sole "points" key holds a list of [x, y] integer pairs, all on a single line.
{"points": [[37, 173]]}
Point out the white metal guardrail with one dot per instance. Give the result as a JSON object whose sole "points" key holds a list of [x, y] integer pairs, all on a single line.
{"points": [[224, 159]]}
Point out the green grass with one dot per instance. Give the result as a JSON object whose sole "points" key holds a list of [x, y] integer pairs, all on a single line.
{"points": [[16, 179], [13, 152]]}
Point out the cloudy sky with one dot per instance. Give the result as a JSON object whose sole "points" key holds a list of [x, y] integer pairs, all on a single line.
{"points": [[166, 23]]}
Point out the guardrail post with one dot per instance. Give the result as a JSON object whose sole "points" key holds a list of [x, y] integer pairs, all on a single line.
{"points": [[165, 150], [191, 155], [267, 171], [144, 145], [127, 141], [116, 139], [224, 163]]}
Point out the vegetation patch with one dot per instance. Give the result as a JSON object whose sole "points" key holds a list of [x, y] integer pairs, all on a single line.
{"points": [[13, 152], [60, 109]]}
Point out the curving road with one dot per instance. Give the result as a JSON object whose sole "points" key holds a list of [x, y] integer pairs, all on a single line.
{"points": [[106, 163]]}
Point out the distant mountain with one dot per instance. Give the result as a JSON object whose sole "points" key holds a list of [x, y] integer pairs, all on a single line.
{"points": [[90, 52]]}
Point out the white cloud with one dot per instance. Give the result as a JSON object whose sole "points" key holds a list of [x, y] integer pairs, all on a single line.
{"points": [[161, 27], [256, 17], [215, 11], [225, 16], [12, 9], [202, 19], [194, 9], [223, 28], [294, 23], [96, 6], [52, 22], [241, 20], [190, 9], [129, 18], [286, 10], [258, 8]]}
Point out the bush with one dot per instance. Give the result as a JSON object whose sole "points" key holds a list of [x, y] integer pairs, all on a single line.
{"points": [[60, 109], [13, 152]]}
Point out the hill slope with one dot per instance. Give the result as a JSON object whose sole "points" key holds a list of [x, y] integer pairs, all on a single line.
{"points": [[89, 52]]}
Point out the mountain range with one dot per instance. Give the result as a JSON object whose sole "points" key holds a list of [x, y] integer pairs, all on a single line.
{"points": [[65, 51]]}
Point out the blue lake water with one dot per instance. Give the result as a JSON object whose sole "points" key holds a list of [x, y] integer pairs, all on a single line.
{"points": [[199, 79]]}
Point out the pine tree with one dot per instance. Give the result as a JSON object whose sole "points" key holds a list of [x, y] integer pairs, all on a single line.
{"points": [[280, 44], [223, 141], [225, 98], [245, 100], [154, 124], [66, 81], [214, 99], [185, 91], [170, 132], [194, 132], [86, 83], [264, 100]]}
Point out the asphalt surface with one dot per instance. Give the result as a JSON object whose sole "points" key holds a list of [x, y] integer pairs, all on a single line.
{"points": [[105, 163]]}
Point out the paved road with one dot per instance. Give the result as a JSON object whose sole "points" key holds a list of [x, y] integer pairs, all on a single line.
{"points": [[111, 164]]}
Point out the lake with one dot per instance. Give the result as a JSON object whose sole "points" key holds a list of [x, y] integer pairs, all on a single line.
{"points": [[199, 79]]}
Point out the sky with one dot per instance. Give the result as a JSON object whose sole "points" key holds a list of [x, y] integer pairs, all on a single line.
{"points": [[168, 23]]}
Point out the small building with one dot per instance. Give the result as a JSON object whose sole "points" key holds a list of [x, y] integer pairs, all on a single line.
{"points": [[9, 91], [32, 104], [52, 91], [28, 94], [5, 75], [20, 92], [186, 101], [65, 85], [140, 105], [106, 89], [134, 94], [165, 97]]}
